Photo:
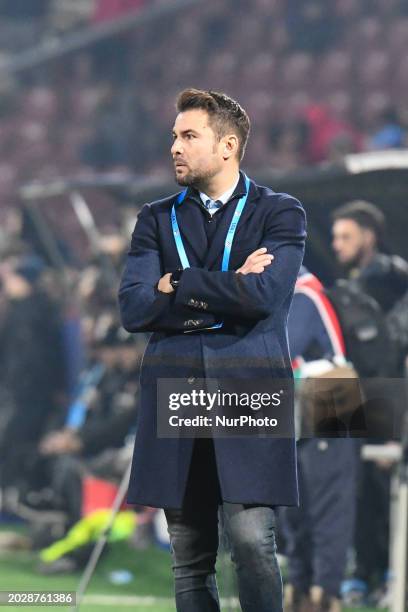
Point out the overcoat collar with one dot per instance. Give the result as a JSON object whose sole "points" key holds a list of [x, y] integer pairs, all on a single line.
{"points": [[190, 220]]}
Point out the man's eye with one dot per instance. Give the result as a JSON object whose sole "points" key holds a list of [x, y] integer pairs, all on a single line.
{"points": [[189, 136]]}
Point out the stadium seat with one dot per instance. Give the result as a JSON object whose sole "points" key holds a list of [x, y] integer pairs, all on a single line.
{"points": [[368, 33], [334, 69], [296, 71], [341, 103], [40, 103], [348, 9], [397, 37], [373, 69]]}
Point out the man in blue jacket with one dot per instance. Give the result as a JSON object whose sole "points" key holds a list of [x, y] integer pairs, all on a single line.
{"points": [[319, 532], [199, 276]]}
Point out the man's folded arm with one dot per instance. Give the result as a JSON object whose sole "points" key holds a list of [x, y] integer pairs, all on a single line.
{"points": [[253, 296], [142, 306]]}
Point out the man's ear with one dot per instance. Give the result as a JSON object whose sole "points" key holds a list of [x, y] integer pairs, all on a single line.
{"points": [[230, 146], [370, 238]]}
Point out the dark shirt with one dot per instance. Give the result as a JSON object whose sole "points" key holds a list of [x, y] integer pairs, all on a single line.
{"points": [[385, 279]]}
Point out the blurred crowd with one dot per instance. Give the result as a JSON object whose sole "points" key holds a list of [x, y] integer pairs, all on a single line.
{"points": [[24, 23], [322, 79], [68, 383]]}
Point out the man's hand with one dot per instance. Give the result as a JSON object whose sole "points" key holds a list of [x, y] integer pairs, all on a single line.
{"points": [[60, 442], [256, 262], [14, 285], [164, 284]]}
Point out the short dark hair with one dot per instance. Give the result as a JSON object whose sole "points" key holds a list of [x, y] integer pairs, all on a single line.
{"points": [[365, 214], [224, 113]]}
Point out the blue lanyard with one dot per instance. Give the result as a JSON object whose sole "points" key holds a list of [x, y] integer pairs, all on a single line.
{"points": [[230, 234], [228, 240]]}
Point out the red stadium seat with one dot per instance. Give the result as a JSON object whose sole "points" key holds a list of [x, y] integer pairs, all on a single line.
{"points": [[340, 103], [373, 105], [296, 71], [83, 102], [291, 108], [259, 72], [334, 70], [368, 33], [373, 69], [397, 37], [262, 106], [399, 80], [8, 180], [347, 8], [271, 8], [40, 103], [388, 7]]}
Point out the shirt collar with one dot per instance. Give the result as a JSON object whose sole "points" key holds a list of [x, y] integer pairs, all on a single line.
{"points": [[237, 191], [224, 197]]}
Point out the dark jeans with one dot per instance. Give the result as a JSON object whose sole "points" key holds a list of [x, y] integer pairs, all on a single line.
{"points": [[193, 531]]}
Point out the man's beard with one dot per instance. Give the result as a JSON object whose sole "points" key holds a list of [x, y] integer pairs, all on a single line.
{"points": [[355, 262], [198, 179]]}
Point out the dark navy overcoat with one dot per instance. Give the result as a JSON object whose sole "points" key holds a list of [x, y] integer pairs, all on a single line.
{"points": [[252, 342]]}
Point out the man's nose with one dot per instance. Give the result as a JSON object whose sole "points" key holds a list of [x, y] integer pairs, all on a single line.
{"points": [[176, 147]]}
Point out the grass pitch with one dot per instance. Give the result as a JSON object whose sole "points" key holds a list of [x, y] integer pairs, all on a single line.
{"points": [[150, 590]]}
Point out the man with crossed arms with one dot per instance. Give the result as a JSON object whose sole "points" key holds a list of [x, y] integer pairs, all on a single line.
{"points": [[199, 276]]}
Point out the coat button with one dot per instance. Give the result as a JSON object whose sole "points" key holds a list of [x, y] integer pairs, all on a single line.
{"points": [[191, 379]]}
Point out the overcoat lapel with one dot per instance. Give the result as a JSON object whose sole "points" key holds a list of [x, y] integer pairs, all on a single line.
{"points": [[192, 230]]}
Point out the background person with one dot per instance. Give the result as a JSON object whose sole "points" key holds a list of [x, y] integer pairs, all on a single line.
{"points": [[359, 243], [319, 533], [33, 365]]}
